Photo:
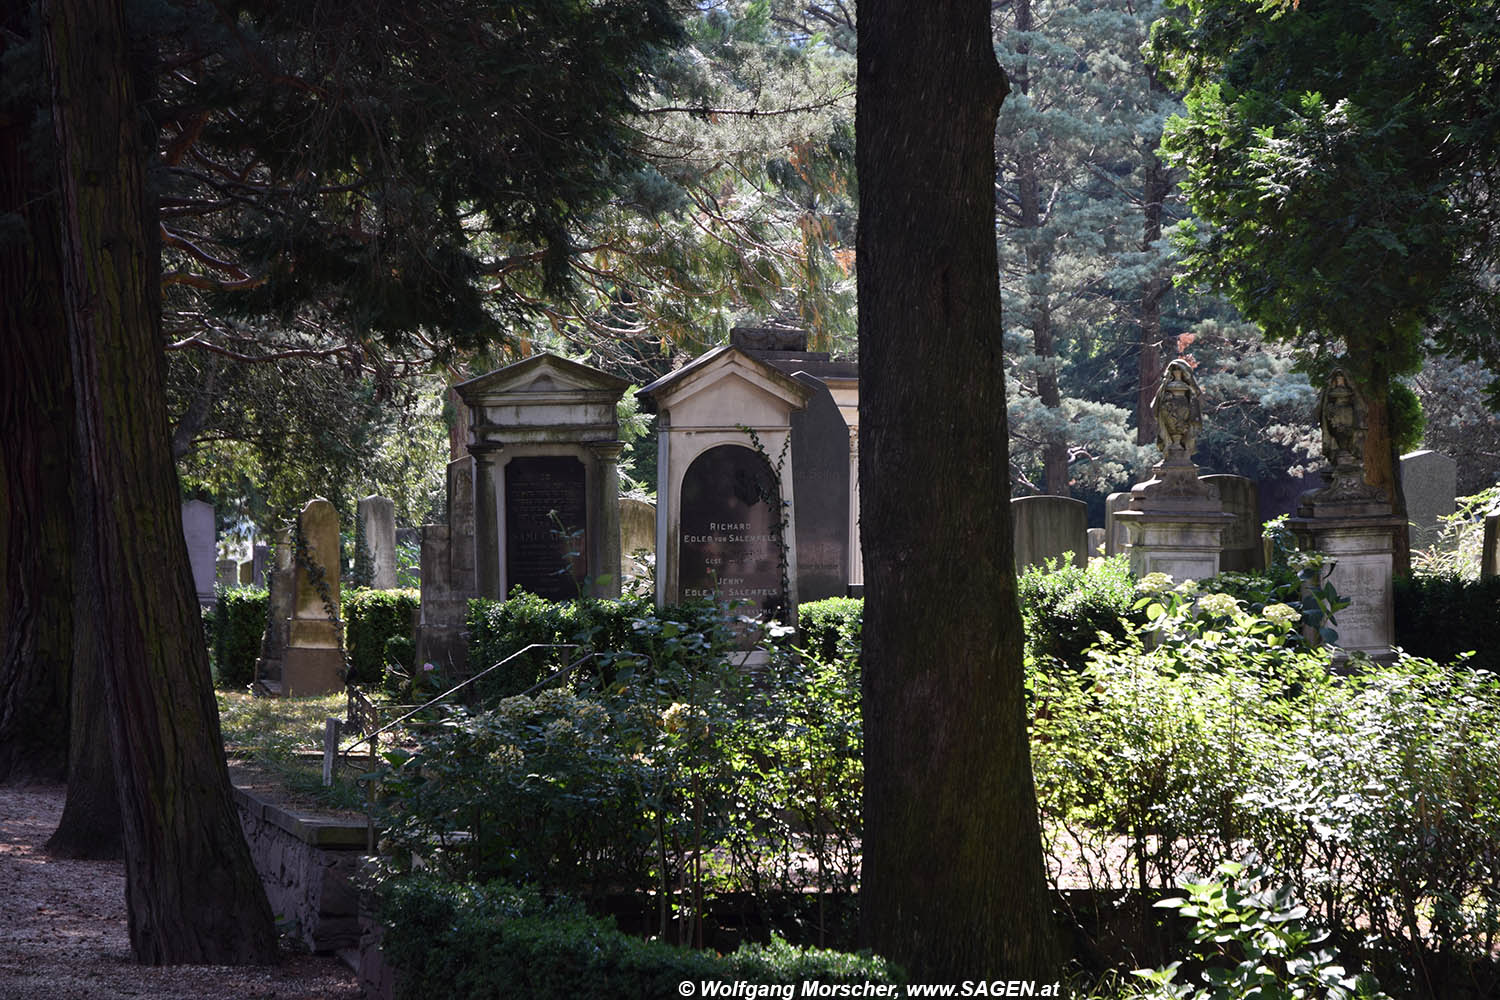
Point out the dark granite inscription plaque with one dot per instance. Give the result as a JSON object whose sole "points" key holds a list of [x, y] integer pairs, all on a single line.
{"points": [[728, 548], [547, 559]]}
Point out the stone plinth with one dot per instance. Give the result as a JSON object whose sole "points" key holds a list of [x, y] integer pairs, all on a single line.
{"points": [[377, 530], [546, 447], [314, 660], [1359, 552], [1175, 524], [1049, 527]]}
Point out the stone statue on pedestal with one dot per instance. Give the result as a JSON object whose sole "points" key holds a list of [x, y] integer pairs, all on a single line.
{"points": [[1178, 407], [1342, 418]]}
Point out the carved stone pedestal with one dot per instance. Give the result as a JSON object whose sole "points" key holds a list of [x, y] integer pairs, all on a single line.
{"points": [[1357, 538], [1174, 523]]}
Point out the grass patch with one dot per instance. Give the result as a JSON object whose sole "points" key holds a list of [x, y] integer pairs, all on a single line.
{"points": [[282, 738]]}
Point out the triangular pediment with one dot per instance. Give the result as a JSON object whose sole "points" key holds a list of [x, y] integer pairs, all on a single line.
{"points": [[723, 367], [539, 374]]}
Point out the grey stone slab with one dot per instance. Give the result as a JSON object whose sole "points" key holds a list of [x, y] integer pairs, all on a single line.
{"points": [[202, 537], [1049, 527], [1241, 550], [820, 472], [1489, 559], [1115, 535], [377, 520], [1429, 482]]}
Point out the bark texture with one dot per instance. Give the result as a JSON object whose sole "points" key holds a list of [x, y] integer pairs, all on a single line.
{"points": [[952, 882], [192, 892], [36, 426]]}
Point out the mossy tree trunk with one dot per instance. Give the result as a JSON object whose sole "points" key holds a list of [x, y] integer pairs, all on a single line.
{"points": [[192, 893], [952, 881]]}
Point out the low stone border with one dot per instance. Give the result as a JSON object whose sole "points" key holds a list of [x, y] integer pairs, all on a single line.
{"points": [[307, 864]]}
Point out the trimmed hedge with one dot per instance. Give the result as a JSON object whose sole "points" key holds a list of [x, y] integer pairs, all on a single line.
{"points": [[499, 628], [1064, 608], [830, 626], [1438, 617], [372, 619], [239, 622], [494, 941]]}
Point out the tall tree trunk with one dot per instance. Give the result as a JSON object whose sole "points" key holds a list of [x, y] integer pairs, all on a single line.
{"points": [[1038, 262], [91, 825], [192, 893], [36, 434], [1382, 460], [1158, 184], [952, 882]]}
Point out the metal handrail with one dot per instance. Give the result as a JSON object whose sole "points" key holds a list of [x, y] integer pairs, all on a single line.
{"points": [[463, 684]]}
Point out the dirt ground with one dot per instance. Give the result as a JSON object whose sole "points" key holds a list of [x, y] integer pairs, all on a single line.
{"points": [[63, 936]]}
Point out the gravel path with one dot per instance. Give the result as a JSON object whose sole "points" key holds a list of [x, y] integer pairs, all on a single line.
{"points": [[63, 937]]}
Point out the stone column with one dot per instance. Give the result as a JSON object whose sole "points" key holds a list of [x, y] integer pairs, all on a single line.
{"points": [[604, 547], [487, 520]]}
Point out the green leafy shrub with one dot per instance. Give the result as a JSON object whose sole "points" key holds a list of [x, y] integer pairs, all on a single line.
{"points": [[1064, 607], [492, 942], [499, 628], [1441, 616], [1252, 942], [831, 628], [371, 619], [1376, 794], [239, 623]]}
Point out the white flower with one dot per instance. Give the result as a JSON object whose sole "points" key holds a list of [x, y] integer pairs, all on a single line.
{"points": [[1221, 605], [1281, 614], [1155, 583]]}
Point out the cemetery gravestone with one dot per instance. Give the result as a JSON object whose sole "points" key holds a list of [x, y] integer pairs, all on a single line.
{"points": [[825, 459], [259, 558], [1096, 542], [712, 403], [377, 521], [730, 543], [546, 511], [820, 469], [201, 535], [448, 583], [1115, 535], [1351, 523], [281, 583], [1429, 481], [545, 443], [1241, 550], [637, 538], [1049, 527], [314, 660], [247, 572], [1175, 522], [1489, 559], [227, 573]]}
